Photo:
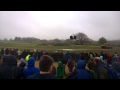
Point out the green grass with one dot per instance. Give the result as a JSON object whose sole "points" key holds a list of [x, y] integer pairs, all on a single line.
{"points": [[33, 45]]}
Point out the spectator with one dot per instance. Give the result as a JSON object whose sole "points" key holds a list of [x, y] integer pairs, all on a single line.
{"points": [[54, 71], [60, 70], [19, 54], [80, 71], [114, 70], [108, 58], [22, 67], [101, 70], [101, 58], [46, 66], [21, 60], [118, 58], [31, 69], [113, 58], [92, 68], [9, 68], [70, 65], [27, 57], [78, 56]]}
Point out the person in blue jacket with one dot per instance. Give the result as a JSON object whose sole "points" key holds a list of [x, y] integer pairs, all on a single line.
{"points": [[80, 71], [31, 69]]}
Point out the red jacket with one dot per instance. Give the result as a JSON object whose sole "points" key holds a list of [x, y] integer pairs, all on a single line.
{"points": [[108, 57]]}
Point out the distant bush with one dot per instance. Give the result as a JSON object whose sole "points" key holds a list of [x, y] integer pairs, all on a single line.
{"points": [[106, 47], [61, 44]]}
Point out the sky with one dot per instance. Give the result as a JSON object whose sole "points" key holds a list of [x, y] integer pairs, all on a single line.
{"points": [[59, 24]]}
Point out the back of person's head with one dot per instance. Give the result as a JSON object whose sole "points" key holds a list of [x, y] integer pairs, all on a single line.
{"points": [[22, 64], [97, 60], [46, 63], [82, 58], [91, 65], [11, 60]]}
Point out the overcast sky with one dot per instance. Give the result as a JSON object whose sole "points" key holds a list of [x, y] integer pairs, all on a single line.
{"points": [[60, 24]]}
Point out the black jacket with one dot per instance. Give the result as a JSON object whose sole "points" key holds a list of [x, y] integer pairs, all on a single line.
{"points": [[9, 69]]}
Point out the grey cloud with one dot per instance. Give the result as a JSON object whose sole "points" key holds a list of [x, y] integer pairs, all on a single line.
{"points": [[94, 24]]}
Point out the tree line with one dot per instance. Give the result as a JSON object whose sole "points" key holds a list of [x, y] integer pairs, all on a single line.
{"points": [[80, 39]]}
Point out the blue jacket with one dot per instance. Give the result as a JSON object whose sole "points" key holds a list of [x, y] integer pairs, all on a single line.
{"points": [[114, 70], [82, 73], [102, 70], [78, 56], [119, 56], [31, 69], [69, 55]]}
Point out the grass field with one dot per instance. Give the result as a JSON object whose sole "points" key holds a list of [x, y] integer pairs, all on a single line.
{"points": [[34, 45], [76, 48]]}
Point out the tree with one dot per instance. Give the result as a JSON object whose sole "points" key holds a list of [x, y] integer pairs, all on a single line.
{"points": [[10, 39], [5, 39], [82, 38], [102, 40], [57, 40]]}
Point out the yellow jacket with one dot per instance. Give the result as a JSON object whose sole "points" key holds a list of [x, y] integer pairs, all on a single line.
{"points": [[27, 57]]}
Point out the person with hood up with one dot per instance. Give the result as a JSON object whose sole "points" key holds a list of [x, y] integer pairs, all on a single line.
{"points": [[9, 68], [60, 70], [80, 71], [114, 71], [31, 69]]}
